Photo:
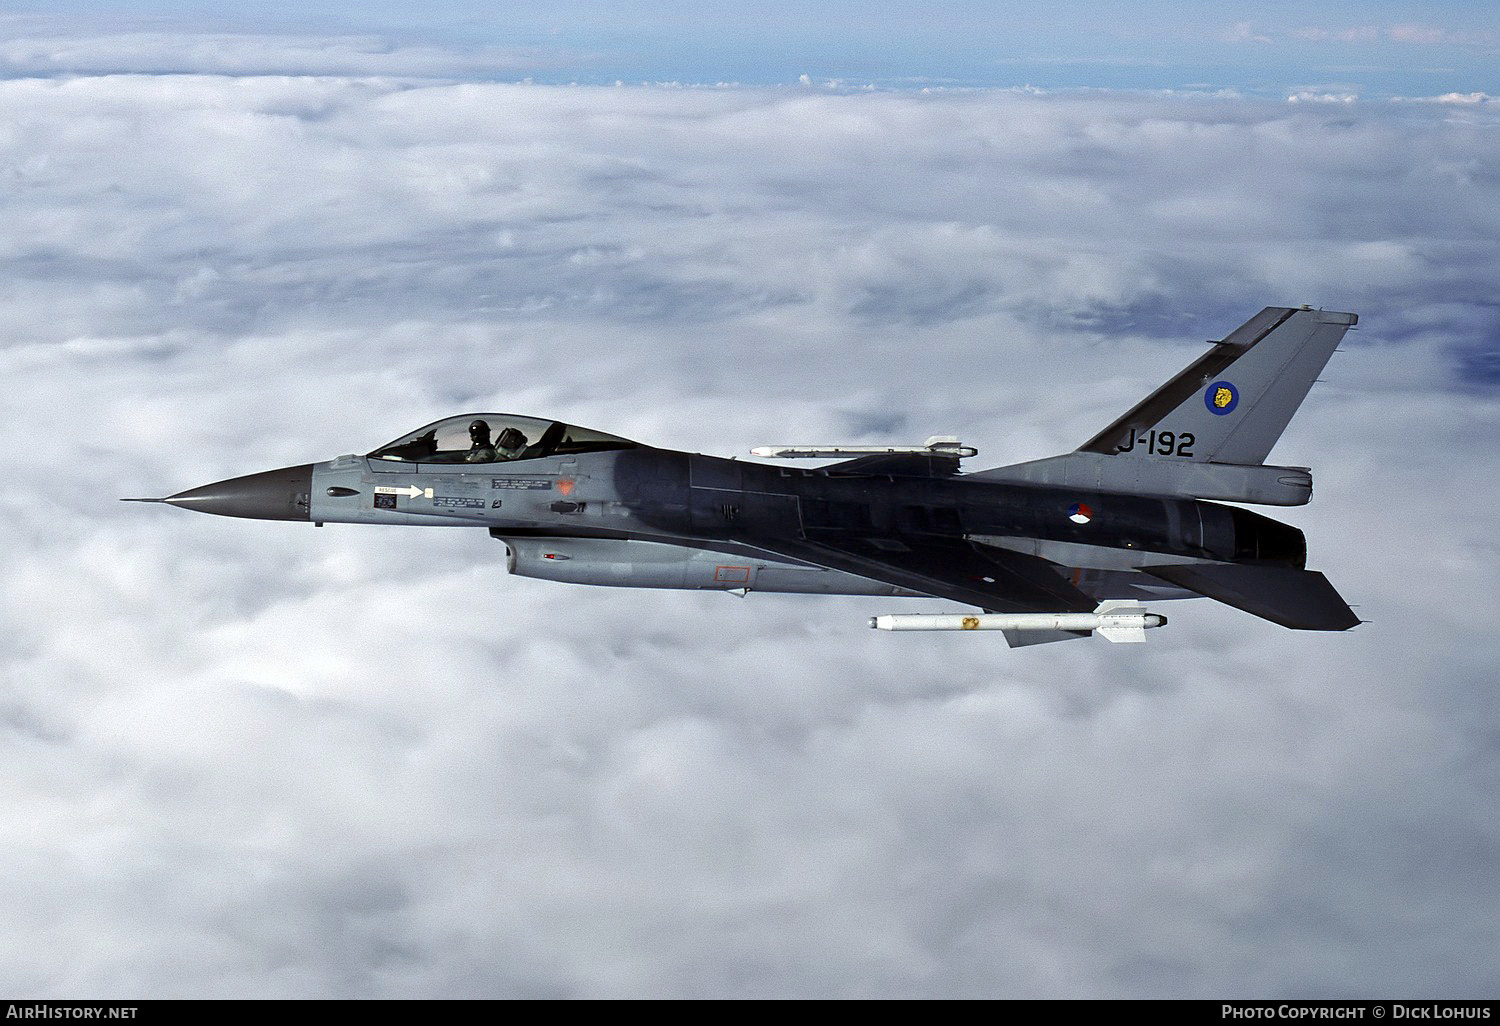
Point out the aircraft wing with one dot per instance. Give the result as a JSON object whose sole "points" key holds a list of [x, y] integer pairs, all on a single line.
{"points": [[993, 579]]}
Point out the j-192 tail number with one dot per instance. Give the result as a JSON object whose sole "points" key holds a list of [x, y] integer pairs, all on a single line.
{"points": [[1161, 443]]}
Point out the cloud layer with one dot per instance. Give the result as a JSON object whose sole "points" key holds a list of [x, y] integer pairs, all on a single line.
{"points": [[257, 759], [1269, 47]]}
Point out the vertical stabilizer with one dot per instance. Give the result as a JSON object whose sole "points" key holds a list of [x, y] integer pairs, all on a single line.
{"points": [[1232, 403], [1206, 432]]}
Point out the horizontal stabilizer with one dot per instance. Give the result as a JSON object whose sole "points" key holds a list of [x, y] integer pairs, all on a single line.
{"points": [[1300, 599]]}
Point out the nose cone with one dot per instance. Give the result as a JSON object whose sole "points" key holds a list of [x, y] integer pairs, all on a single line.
{"points": [[273, 495]]}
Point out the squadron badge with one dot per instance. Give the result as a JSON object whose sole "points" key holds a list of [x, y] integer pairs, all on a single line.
{"points": [[1221, 398]]}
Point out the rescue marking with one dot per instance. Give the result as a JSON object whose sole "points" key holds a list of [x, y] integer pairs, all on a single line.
{"points": [[410, 491]]}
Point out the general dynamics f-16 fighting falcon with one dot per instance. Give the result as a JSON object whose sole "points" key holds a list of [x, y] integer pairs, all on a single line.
{"points": [[1048, 550]]}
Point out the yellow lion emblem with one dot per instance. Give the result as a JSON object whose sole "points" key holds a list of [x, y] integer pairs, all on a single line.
{"points": [[1223, 397]]}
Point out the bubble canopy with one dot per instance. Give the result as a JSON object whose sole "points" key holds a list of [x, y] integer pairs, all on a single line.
{"points": [[495, 438]]}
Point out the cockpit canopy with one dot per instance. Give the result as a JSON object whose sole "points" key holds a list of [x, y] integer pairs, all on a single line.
{"points": [[495, 438]]}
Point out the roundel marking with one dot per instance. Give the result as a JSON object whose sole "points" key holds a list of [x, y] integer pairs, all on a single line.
{"points": [[1221, 397], [1080, 513]]}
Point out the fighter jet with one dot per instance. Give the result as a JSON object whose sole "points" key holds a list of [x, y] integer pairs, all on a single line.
{"points": [[1048, 550]]}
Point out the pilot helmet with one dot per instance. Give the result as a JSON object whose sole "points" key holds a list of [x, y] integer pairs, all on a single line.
{"points": [[479, 433]]}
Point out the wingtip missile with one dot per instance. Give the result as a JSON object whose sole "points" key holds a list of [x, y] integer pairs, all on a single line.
{"points": [[936, 445]]}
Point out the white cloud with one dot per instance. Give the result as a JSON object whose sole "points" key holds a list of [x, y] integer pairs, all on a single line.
{"points": [[40, 53], [1411, 33], [1354, 34], [1430, 35], [250, 758], [1321, 96], [1455, 99]]}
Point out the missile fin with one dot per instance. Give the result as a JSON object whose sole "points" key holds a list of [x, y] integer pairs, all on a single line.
{"points": [[1122, 635]]}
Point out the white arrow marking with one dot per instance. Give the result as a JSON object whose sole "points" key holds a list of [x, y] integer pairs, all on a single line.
{"points": [[411, 491]]}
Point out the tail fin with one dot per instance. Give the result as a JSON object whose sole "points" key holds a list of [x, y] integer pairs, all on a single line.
{"points": [[1232, 403], [1207, 431]]}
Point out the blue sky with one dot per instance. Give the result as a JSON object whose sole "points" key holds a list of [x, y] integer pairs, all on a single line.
{"points": [[1373, 49], [262, 759]]}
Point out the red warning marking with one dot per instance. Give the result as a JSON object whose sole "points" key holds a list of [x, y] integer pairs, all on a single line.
{"points": [[732, 574]]}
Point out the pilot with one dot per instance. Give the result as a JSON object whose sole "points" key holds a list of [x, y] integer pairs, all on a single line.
{"points": [[510, 444], [480, 449]]}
